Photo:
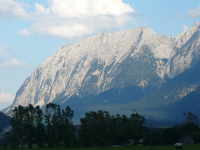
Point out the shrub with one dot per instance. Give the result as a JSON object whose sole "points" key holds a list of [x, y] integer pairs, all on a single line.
{"points": [[5, 146]]}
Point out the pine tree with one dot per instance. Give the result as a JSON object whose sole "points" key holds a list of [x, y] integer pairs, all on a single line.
{"points": [[40, 128], [17, 122], [68, 128], [50, 132], [29, 125]]}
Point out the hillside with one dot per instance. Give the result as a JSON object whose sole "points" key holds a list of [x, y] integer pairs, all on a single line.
{"points": [[180, 94], [133, 70], [5, 120]]}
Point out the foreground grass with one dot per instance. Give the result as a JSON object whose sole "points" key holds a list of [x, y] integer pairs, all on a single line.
{"points": [[171, 147]]}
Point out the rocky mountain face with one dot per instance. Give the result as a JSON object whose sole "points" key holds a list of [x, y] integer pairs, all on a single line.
{"points": [[5, 122], [131, 63]]}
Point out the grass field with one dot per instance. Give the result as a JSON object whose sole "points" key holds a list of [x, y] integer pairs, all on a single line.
{"points": [[194, 147]]}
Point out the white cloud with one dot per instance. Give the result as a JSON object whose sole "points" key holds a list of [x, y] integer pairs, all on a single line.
{"points": [[6, 99], [177, 16], [40, 9], [14, 63], [70, 18], [185, 28], [63, 29], [79, 8], [10, 9], [3, 51], [24, 32], [77, 18], [194, 13]]}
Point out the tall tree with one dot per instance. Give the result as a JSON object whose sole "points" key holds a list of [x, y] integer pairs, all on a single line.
{"points": [[50, 135], [99, 119], [17, 122], [29, 125], [68, 128], [88, 132], [102, 129], [136, 126], [40, 128], [58, 125], [171, 136], [110, 130], [13, 139], [190, 117]]}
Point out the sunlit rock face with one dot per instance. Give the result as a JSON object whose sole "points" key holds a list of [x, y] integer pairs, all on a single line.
{"points": [[134, 57]]}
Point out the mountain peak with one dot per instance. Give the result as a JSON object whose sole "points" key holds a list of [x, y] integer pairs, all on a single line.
{"points": [[197, 24], [183, 38]]}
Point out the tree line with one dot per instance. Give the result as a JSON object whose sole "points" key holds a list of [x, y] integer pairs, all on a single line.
{"points": [[102, 129], [31, 126], [54, 127], [171, 135]]}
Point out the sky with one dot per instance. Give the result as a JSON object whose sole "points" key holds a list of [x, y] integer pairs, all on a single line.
{"points": [[31, 31]]}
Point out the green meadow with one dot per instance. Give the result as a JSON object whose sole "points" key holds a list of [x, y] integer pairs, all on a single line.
{"points": [[170, 147]]}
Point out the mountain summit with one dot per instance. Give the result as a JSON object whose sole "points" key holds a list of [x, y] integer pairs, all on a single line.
{"points": [[136, 58]]}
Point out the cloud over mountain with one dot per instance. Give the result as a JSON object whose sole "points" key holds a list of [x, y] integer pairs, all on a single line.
{"points": [[6, 99], [194, 13], [14, 63], [70, 18], [73, 18], [185, 28]]}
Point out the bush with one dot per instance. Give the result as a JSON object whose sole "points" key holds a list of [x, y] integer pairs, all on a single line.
{"points": [[103, 143], [75, 143], [5, 146], [89, 142]]}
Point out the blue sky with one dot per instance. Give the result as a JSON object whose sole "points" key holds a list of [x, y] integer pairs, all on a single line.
{"points": [[31, 31]]}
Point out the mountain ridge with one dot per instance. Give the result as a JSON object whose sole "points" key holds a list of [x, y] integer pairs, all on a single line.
{"points": [[133, 57]]}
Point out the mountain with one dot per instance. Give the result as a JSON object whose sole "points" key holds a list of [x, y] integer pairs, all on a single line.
{"points": [[5, 120], [114, 71], [180, 94]]}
